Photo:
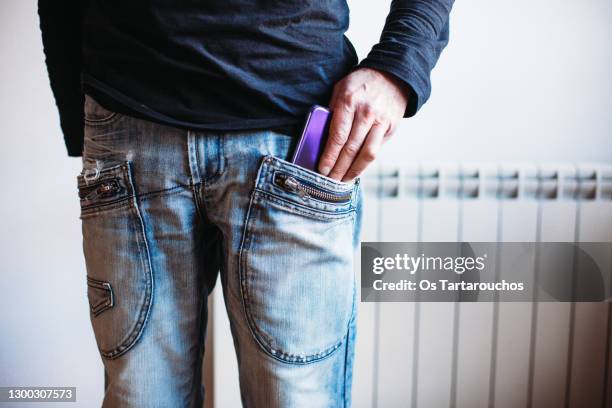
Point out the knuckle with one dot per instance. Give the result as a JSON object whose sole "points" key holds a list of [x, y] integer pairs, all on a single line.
{"points": [[381, 120], [338, 89], [369, 112], [325, 162], [351, 148], [369, 154], [326, 156], [349, 99], [338, 138]]}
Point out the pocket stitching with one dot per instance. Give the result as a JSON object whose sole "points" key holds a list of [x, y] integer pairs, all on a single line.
{"points": [[276, 173], [114, 117], [265, 181], [106, 303], [261, 337], [102, 119], [106, 207], [307, 173], [145, 309], [257, 333], [134, 333], [303, 210], [97, 207], [110, 118]]}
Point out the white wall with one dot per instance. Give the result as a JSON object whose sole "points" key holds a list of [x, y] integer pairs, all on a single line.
{"points": [[520, 81], [45, 334]]}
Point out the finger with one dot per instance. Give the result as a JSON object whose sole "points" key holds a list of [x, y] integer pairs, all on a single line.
{"points": [[368, 151], [361, 126], [334, 97], [339, 129], [390, 132]]}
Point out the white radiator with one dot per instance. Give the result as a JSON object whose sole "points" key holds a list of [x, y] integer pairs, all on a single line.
{"points": [[472, 354]]}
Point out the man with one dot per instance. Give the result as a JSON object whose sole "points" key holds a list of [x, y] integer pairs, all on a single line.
{"points": [[185, 113]]}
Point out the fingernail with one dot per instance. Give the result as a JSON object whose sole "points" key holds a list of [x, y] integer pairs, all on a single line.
{"points": [[325, 170]]}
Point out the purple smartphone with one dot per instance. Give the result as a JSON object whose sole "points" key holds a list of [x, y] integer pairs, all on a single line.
{"points": [[312, 141]]}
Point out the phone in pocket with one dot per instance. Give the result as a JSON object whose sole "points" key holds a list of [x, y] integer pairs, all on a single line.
{"points": [[313, 138]]}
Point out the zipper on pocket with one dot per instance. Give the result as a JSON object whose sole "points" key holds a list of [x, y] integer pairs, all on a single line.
{"points": [[304, 189], [107, 188]]}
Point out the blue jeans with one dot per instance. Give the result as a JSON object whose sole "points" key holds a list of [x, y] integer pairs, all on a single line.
{"points": [[163, 210]]}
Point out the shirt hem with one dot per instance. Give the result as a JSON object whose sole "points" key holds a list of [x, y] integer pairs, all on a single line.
{"points": [[130, 106]]}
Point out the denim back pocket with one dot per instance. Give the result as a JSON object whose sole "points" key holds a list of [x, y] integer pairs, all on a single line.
{"points": [[117, 258], [296, 261]]}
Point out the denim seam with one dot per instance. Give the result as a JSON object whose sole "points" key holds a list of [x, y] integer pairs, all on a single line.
{"points": [[163, 192], [196, 157], [202, 186], [220, 162], [201, 197], [207, 182], [143, 250], [355, 201], [200, 205], [201, 343], [346, 355], [194, 172], [102, 208], [109, 120], [192, 158], [256, 332], [111, 116], [348, 339], [352, 323]]}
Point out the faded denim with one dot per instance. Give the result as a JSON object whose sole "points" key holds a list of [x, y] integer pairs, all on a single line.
{"points": [[163, 210]]}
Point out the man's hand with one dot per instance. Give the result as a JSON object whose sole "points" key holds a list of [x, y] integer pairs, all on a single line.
{"points": [[366, 105]]}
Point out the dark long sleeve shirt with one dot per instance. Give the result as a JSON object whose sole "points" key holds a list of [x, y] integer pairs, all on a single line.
{"points": [[224, 64]]}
